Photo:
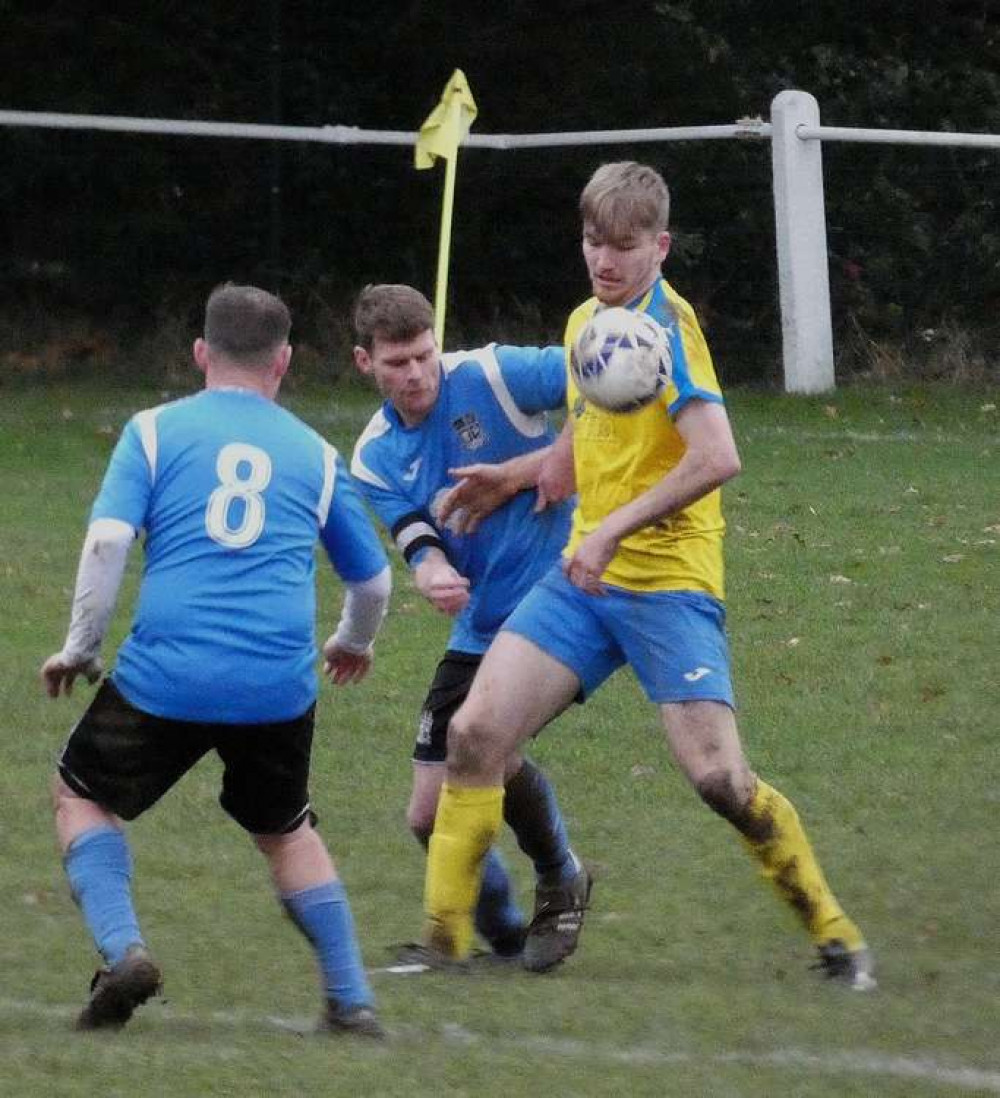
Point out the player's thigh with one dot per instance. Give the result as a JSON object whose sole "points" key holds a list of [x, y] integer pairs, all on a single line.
{"points": [[565, 625], [265, 783], [518, 689], [125, 759]]}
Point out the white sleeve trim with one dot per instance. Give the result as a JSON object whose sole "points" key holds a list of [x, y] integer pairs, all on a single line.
{"points": [[98, 579], [378, 425], [365, 605], [146, 422], [531, 426], [329, 483]]}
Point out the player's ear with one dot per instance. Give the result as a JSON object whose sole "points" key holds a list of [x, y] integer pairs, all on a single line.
{"points": [[362, 361], [663, 241], [200, 352], [283, 360]]}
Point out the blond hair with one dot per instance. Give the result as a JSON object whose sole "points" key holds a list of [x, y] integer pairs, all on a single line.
{"points": [[624, 198]]}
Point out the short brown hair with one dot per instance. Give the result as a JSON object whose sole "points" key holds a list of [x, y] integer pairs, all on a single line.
{"points": [[391, 311], [623, 198], [245, 323]]}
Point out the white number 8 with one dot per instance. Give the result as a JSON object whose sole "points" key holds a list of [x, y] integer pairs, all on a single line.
{"points": [[246, 489]]}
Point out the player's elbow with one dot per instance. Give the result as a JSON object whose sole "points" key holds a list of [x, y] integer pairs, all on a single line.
{"points": [[723, 464], [729, 466]]}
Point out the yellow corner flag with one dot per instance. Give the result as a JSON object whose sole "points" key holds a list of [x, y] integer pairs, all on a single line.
{"points": [[443, 131], [447, 125]]}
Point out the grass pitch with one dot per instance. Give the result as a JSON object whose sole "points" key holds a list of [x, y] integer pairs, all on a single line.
{"points": [[863, 593]]}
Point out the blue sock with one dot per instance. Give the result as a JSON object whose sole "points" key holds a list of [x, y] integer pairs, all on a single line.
{"points": [[323, 914], [498, 918], [99, 867], [532, 812]]}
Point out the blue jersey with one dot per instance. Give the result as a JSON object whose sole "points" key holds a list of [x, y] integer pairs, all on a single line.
{"points": [[491, 407], [232, 492]]}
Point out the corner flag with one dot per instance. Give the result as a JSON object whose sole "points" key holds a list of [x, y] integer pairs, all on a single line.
{"points": [[443, 131], [447, 125]]}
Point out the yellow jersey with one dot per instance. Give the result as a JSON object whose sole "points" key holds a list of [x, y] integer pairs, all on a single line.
{"points": [[617, 457]]}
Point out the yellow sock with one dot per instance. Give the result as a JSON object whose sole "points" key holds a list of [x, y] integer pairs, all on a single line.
{"points": [[466, 824], [777, 841]]}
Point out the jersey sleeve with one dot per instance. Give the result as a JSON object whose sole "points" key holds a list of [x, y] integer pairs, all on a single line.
{"points": [[409, 526], [535, 377], [693, 371], [348, 535], [128, 482]]}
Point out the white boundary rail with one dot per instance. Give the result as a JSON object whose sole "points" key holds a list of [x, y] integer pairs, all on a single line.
{"points": [[797, 167]]}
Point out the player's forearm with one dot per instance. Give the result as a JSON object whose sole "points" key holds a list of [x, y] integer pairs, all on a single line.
{"points": [[98, 580], [365, 606], [691, 479], [522, 472]]}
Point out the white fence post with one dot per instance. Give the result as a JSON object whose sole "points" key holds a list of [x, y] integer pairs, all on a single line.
{"points": [[800, 223]]}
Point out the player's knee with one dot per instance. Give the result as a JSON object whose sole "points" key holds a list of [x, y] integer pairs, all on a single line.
{"points": [[726, 795], [469, 744], [288, 841], [421, 823], [59, 790], [66, 801]]}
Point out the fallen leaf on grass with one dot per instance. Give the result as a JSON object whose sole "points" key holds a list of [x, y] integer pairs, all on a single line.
{"points": [[953, 558]]}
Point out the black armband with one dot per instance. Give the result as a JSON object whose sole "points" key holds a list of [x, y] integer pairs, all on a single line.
{"points": [[413, 532]]}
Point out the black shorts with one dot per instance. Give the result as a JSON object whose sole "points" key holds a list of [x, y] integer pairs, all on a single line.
{"points": [[125, 759], [449, 688]]}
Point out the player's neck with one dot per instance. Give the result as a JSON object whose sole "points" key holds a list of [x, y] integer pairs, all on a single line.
{"points": [[240, 381]]}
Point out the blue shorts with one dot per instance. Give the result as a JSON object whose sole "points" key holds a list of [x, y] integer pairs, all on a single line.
{"points": [[674, 641]]}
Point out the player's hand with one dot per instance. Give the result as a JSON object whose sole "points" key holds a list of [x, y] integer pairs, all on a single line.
{"points": [[342, 666], [586, 566], [442, 586], [58, 673], [557, 478], [480, 490]]}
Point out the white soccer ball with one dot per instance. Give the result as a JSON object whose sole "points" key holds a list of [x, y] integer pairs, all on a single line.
{"points": [[621, 360]]}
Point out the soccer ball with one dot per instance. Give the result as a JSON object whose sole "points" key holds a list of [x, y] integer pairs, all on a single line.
{"points": [[621, 360]]}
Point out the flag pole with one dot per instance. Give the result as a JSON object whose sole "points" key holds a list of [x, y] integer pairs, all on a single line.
{"points": [[442, 132], [444, 249]]}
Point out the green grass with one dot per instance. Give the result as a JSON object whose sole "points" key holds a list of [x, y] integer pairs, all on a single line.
{"points": [[863, 584]]}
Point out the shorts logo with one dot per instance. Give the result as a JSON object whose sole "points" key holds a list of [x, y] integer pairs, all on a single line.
{"points": [[470, 431], [424, 729], [697, 673]]}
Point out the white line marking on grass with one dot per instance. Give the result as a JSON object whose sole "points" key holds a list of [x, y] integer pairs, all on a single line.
{"points": [[862, 1062]]}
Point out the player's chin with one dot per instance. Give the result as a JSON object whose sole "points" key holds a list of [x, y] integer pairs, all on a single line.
{"points": [[608, 293]]}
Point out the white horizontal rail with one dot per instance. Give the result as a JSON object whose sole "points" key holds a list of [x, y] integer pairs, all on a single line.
{"points": [[343, 135], [352, 135], [745, 128], [898, 137], [796, 138]]}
